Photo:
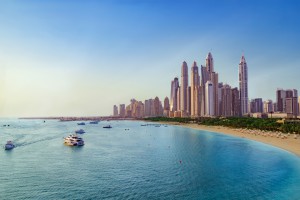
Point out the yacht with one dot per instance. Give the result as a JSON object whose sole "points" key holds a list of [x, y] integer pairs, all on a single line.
{"points": [[9, 145], [81, 123], [73, 140], [80, 131], [109, 126]]}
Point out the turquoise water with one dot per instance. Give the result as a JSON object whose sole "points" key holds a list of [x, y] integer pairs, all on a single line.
{"points": [[144, 162]]}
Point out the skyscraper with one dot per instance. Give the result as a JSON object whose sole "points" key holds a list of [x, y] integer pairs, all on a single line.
{"points": [[195, 91], [209, 99], [226, 99], [209, 63], [184, 88], [122, 110], [208, 74], [243, 84], [236, 102], [173, 98], [115, 110]]}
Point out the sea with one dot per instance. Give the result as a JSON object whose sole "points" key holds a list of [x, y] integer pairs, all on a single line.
{"points": [[131, 161]]}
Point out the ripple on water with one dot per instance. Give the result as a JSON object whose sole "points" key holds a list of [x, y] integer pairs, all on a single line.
{"points": [[145, 162]]}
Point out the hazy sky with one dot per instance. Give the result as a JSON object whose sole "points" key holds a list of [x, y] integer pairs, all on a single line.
{"points": [[82, 57]]}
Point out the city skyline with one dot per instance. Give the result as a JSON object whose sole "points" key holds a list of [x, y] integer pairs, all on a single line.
{"points": [[59, 58]]}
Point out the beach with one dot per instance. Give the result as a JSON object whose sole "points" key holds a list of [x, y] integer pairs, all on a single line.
{"points": [[280, 140]]}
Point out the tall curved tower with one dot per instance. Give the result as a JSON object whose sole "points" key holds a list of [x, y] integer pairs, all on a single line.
{"points": [[243, 84]]}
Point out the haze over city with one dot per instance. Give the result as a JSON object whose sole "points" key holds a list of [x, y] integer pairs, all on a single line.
{"points": [[81, 57]]}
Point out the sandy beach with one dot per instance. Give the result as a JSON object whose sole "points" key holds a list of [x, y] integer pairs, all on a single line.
{"points": [[288, 142]]}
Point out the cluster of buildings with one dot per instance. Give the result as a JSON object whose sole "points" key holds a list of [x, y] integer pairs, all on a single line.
{"points": [[205, 96]]}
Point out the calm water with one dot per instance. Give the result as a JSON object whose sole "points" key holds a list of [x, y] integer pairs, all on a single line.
{"points": [[141, 163]]}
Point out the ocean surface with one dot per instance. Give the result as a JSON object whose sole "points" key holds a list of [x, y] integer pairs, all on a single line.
{"points": [[144, 162]]}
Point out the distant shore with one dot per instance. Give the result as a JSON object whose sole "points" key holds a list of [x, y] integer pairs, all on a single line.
{"points": [[283, 141]]}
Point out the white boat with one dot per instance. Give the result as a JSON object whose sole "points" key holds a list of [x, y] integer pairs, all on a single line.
{"points": [[9, 145], [73, 140], [80, 131]]}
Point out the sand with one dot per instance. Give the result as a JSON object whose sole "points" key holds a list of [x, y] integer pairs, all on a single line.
{"points": [[283, 141]]}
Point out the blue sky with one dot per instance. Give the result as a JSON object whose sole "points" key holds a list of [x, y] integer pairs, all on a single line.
{"points": [[81, 57]]}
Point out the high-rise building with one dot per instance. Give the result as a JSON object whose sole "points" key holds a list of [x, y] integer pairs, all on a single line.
{"points": [[298, 105], [243, 85], [184, 87], [287, 101], [209, 61], [157, 107], [209, 99], [115, 111], [195, 91], [226, 99], [189, 101], [147, 108], [178, 99], [204, 79], [122, 110], [166, 104], [236, 102], [208, 74], [291, 103], [256, 105], [268, 106], [166, 107], [280, 98], [215, 81], [173, 98]]}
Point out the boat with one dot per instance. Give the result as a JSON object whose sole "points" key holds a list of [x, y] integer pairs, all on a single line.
{"points": [[81, 123], [109, 126], [73, 140], [94, 122], [9, 145], [80, 131], [143, 124]]}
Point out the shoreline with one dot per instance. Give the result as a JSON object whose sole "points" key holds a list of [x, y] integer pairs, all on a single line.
{"points": [[285, 141]]}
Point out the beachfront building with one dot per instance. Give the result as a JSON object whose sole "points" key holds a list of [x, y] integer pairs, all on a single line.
{"points": [[280, 98], [268, 106], [243, 85], [226, 101], [236, 102], [173, 97], [184, 88], [256, 105], [122, 110], [287, 101], [195, 91], [115, 111], [166, 107], [209, 99]]}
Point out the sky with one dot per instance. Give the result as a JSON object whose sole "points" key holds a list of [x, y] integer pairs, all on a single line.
{"points": [[79, 58]]}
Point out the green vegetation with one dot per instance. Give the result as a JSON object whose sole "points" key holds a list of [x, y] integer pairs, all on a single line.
{"points": [[237, 122]]}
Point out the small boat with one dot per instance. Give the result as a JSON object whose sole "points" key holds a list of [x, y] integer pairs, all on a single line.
{"points": [[73, 140], [94, 122], [109, 126], [143, 124], [81, 123], [9, 145], [80, 131]]}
